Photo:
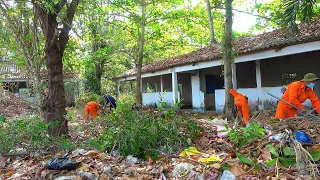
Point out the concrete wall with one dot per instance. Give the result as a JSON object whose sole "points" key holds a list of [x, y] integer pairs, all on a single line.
{"points": [[197, 94], [252, 94], [153, 98]]}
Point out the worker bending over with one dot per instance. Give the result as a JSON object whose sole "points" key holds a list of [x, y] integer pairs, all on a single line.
{"points": [[92, 108], [296, 94], [109, 99], [241, 102]]}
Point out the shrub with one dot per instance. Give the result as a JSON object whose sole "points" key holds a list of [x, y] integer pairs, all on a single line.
{"points": [[243, 135], [87, 97], [127, 98], [29, 133], [138, 132]]}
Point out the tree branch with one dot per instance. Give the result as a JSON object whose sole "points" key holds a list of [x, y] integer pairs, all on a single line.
{"points": [[245, 12], [58, 7], [67, 22]]}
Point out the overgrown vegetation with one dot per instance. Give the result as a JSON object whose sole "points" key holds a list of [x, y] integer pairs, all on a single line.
{"points": [[142, 133], [87, 97], [243, 135], [30, 134]]}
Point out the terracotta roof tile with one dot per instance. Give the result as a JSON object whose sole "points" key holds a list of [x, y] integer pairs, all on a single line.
{"points": [[279, 38]]}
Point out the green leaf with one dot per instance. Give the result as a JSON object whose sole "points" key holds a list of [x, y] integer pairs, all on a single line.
{"points": [[226, 166], [315, 155], [243, 159], [271, 162], [273, 150], [286, 162], [288, 151]]}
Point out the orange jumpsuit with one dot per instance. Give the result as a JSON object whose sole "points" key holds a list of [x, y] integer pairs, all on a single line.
{"points": [[296, 94], [92, 108], [242, 104]]}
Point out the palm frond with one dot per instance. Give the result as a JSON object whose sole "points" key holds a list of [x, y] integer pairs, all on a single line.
{"points": [[289, 13], [307, 10]]}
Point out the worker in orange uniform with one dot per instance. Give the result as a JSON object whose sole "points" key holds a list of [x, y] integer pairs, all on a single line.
{"points": [[296, 94], [92, 108], [241, 102]]}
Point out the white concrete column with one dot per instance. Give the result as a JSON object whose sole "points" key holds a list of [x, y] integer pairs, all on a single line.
{"points": [[197, 94], [234, 76], [174, 86], [259, 86], [161, 84]]}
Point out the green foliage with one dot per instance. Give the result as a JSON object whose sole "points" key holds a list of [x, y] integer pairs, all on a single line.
{"points": [[245, 134], [31, 134], [87, 97], [2, 118], [272, 150], [136, 132], [244, 159], [128, 98]]}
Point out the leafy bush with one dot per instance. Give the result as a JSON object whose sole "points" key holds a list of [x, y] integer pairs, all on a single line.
{"points": [[87, 97], [243, 135], [29, 133], [136, 132], [127, 98]]}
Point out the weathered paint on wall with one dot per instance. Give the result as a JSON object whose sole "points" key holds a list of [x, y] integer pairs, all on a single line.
{"points": [[252, 94], [150, 99], [197, 94]]}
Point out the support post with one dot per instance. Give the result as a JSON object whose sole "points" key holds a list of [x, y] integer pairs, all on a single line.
{"points": [[161, 84], [259, 86], [234, 76], [174, 86]]}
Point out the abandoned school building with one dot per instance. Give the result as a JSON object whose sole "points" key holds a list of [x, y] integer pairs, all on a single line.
{"points": [[14, 79], [264, 63]]}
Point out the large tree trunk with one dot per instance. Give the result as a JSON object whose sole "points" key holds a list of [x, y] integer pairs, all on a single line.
{"points": [[56, 103], [55, 45], [212, 38], [140, 58], [227, 60]]}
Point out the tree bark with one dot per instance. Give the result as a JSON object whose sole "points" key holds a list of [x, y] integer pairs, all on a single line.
{"points": [[227, 59], [55, 45], [140, 57], [212, 38]]}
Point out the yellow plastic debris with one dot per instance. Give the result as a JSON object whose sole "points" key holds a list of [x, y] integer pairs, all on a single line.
{"points": [[189, 151], [212, 158]]}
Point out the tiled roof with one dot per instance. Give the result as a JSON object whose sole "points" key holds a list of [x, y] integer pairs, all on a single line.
{"points": [[10, 71], [279, 38]]}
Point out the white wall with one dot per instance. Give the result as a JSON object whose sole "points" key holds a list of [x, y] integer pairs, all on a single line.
{"points": [[153, 98], [197, 94], [252, 94]]}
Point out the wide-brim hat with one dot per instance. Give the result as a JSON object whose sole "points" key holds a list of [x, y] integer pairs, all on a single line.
{"points": [[310, 77]]}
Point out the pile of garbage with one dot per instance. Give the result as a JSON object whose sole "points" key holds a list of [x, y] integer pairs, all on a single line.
{"points": [[11, 106]]}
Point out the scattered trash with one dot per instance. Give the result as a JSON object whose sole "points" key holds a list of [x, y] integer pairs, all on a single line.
{"points": [[132, 160], [66, 178], [181, 169], [222, 128], [211, 159], [61, 163], [227, 175], [130, 171], [86, 175], [18, 151], [107, 170], [189, 151], [302, 137]]}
